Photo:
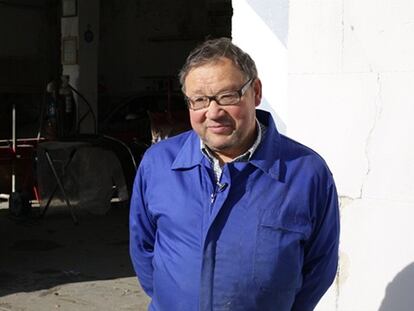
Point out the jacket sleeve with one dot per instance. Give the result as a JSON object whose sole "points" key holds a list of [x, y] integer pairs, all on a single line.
{"points": [[141, 233], [321, 251]]}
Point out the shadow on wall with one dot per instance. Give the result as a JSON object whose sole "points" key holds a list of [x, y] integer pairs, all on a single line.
{"points": [[276, 19], [280, 125], [399, 294]]}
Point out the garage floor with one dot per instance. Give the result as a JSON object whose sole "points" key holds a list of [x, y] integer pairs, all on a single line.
{"points": [[52, 264]]}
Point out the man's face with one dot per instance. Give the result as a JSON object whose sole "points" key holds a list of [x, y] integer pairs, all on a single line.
{"points": [[227, 130]]}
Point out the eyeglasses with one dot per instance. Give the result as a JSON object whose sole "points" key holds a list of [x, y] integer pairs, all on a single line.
{"points": [[226, 98]]}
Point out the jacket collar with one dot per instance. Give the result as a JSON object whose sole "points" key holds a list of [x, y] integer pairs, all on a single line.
{"points": [[266, 157], [189, 154]]}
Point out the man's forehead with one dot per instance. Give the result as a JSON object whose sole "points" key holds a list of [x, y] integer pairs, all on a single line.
{"points": [[219, 70], [213, 86]]}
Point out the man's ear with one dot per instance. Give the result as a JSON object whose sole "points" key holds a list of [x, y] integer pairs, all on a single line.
{"points": [[257, 88]]}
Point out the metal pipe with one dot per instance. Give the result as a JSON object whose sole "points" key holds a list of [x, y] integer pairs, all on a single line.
{"points": [[14, 146], [14, 128]]}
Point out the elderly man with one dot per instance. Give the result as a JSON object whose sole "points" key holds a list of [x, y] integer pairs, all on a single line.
{"points": [[232, 215]]}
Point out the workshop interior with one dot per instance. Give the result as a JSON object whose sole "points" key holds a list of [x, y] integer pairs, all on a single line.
{"points": [[85, 88]]}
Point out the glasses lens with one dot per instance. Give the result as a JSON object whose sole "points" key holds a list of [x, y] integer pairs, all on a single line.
{"points": [[198, 102], [230, 98]]}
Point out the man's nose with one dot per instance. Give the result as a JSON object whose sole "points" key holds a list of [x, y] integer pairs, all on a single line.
{"points": [[214, 109]]}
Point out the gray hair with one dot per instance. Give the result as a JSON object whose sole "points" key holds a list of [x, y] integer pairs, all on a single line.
{"points": [[213, 49]]}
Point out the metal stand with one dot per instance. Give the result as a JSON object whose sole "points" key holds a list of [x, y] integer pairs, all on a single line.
{"points": [[59, 185]]}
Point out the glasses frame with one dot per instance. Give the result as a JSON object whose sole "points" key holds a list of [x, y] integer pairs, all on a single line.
{"points": [[239, 92]]}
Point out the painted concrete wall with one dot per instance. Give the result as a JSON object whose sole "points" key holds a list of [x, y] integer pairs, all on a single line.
{"points": [[88, 59], [83, 73], [264, 38], [347, 68]]}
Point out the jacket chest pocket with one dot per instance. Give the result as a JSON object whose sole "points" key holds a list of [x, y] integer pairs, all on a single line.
{"points": [[279, 254]]}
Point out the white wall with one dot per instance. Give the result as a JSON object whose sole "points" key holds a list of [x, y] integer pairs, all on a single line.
{"points": [[88, 60], [350, 92], [83, 74], [256, 33]]}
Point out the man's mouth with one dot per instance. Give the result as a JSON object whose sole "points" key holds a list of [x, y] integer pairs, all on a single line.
{"points": [[219, 128]]}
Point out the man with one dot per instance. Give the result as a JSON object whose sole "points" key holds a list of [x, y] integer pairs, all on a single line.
{"points": [[232, 215]]}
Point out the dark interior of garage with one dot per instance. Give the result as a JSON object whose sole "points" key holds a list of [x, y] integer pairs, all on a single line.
{"points": [[120, 60], [109, 70]]}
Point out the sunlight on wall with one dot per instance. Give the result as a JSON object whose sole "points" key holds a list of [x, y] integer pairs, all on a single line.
{"points": [[252, 34]]}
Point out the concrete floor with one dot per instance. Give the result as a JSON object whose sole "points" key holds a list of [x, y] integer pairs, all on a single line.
{"points": [[52, 264]]}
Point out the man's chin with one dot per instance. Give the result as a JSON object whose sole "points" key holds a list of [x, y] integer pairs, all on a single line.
{"points": [[221, 148], [217, 142]]}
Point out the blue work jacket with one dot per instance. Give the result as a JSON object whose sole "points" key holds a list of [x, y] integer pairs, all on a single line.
{"points": [[266, 240]]}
